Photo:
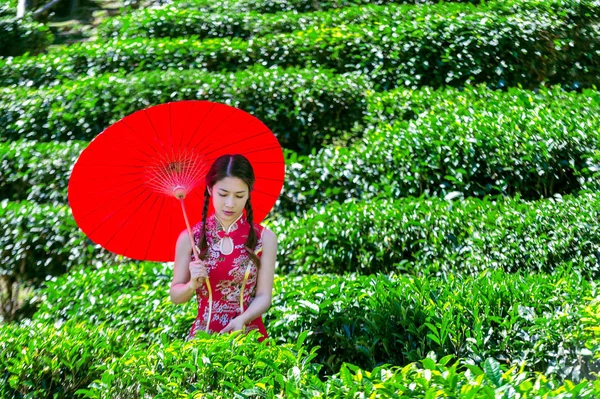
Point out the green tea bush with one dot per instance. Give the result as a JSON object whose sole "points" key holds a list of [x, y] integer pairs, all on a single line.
{"points": [[470, 143], [22, 35], [438, 237], [364, 320], [39, 241], [44, 361], [302, 6], [371, 320], [174, 21], [304, 108], [131, 295], [77, 361], [37, 172], [529, 48]]}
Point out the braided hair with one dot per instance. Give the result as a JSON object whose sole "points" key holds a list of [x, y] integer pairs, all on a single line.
{"points": [[231, 166]]}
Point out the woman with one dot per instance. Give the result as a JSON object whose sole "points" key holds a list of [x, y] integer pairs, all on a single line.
{"points": [[237, 255]]}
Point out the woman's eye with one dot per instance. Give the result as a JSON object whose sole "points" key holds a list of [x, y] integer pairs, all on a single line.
{"points": [[240, 197], [222, 195]]}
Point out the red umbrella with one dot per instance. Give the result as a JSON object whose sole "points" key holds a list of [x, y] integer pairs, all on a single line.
{"points": [[127, 187]]}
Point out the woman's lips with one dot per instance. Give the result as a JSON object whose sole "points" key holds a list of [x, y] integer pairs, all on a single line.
{"points": [[228, 213]]}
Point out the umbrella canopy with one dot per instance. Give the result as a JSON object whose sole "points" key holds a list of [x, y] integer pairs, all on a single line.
{"points": [[123, 188]]}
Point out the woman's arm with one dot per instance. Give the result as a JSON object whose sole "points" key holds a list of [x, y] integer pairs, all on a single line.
{"points": [[264, 284], [181, 290]]}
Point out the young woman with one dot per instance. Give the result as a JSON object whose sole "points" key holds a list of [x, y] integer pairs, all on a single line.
{"points": [[237, 255]]}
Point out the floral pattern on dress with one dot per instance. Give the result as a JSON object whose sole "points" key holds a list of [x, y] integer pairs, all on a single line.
{"points": [[226, 276]]}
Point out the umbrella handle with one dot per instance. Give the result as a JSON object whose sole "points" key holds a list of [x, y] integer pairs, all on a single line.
{"points": [[189, 229]]}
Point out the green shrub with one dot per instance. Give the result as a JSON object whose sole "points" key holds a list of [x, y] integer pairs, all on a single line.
{"points": [[449, 142], [435, 236], [446, 378], [174, 21], [536, 144], [42, 360], [36, 171], [528, 48], [304, 108], [273, 6], [364, 320], [23, 35], [40, 241], [73, 360], [131, 295], [372, 320]]}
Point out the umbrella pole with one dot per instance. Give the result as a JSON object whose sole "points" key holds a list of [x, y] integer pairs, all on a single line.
{"points": [[190, 235]]}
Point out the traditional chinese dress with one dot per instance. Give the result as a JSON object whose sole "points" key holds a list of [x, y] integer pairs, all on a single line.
{"points": [[228, 273]]}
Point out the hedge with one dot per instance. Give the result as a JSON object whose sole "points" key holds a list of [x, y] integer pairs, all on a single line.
{"points": [[299, 6], [494, 143], [527, 49], [449, 142], [70, 360], [439, 237], [43, 240], [304, 108], [23, 35], [174, 21], [37, 172], [543, 320]]}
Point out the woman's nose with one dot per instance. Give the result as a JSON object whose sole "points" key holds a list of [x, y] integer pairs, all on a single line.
{"points": [[229, 201]]}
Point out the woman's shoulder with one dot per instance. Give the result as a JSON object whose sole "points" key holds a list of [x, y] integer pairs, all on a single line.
{"points": [[264, 231]]}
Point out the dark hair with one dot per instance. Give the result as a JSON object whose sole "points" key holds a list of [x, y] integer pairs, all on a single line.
{"points": [[238, 166]]}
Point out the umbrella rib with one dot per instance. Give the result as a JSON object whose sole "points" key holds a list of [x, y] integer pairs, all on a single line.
{"points": [[106, 218], [171, 130], [112, 187], [265, 193], [201, 123], [162, 155], [196, 172], [214, 128], [155, 132], [126, 220], [235, 142], [253, 151], [139, 227], [103, 178], [142, 138], [112, 199], [153, 230]]}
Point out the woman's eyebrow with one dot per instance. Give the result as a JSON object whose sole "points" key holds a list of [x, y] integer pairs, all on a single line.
{"points": [[238, 192]]}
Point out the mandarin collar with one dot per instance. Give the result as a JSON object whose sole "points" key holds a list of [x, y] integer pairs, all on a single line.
{"points": [[241, 220]]}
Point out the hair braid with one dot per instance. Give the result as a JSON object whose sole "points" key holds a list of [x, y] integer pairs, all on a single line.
{"points": [[203, 242], [251, 240]]}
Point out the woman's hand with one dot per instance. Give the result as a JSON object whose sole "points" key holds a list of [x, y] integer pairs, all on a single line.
{"points": [[234, 325], [198, 273]]}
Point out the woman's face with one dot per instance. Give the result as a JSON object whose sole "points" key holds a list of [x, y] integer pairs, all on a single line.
{"points": [[229, 197]]}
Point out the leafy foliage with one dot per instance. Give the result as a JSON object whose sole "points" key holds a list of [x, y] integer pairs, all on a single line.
{"points": [[23, 35], [480, 47], [452, 143], [439, 237], [304, 108], [175, 21], [364, 320]]}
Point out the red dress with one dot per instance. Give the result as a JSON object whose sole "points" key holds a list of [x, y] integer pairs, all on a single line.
{"points": [[227, 274]]}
